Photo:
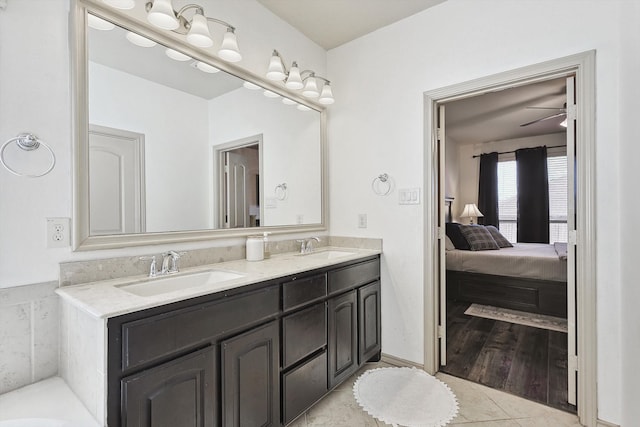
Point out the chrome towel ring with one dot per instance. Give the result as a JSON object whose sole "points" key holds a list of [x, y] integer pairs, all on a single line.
{"points": [[27, 142], [281, 191], [381, 184]]}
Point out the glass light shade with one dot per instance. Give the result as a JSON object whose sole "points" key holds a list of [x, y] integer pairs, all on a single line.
{"points": [[178, 56], [250, 86], [121, 4], [229, 49], [162, 15], [199, 34], [203, 66], [326, 96], [303, 107], [276, 69], [288, 101], [294, 81], [139, 40], [99, 23], [270, 94], [311, 88]]}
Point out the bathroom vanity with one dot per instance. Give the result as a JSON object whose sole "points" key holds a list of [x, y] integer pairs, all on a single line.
{"points": [[258, 352]]}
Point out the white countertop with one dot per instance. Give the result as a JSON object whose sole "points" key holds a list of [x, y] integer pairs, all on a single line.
{"points": [[105, 299]]}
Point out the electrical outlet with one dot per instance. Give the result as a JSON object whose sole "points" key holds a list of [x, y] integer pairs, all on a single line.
{"points": [[58, 232], [362, 220]]}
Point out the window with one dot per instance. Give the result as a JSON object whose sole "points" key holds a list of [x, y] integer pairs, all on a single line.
{"points": [[508, 198]]}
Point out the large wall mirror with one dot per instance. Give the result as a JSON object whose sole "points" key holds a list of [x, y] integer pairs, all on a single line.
{"points": [[174, 145]]}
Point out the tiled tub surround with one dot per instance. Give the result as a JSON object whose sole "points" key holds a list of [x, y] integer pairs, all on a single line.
{"points": [[28, 334], [86, 308]]}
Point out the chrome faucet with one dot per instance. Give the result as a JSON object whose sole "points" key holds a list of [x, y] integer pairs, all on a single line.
{"points": [[170, 257], [306, 245]]}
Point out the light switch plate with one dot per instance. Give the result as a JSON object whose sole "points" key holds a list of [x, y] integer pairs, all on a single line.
{"points": [[409, 196]]}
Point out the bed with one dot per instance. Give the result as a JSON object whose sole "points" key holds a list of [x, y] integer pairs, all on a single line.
{"points": [[529, 277]]}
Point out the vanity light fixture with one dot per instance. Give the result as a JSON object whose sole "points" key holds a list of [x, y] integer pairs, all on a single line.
{"points": [[203, 66], [295, 79], [121, 4], [251, 86], [288, 101], [139, 40], [161, 14], [271, 94], [178, 56], [99, 23]]}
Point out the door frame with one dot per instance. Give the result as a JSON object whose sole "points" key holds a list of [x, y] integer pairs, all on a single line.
{"points": [[583, 66]]}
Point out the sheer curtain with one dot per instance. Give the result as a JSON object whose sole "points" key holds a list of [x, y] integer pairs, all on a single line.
{"points": [[533, 195]]}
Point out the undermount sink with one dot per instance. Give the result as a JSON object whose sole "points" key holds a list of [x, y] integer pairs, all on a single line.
{"points": [[329, 254], [164, 285]]}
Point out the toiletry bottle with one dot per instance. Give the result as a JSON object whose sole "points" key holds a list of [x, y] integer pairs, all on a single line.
{"points": [[255, 248], [267, 251]]}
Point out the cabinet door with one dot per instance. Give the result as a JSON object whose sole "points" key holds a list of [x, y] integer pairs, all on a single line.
{"points": [[343, 337], [369, 321], [251, 378], [177, 393]]}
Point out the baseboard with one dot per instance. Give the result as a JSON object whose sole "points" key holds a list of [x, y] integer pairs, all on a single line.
{"points": [[396, 361], [606, 424]]}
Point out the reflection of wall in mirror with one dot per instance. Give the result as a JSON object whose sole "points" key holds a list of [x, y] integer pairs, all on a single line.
{"points": [[175, 125], [291, 150]]}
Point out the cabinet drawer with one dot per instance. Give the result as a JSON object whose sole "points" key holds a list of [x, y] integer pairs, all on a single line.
{"points": [[303, 333], [353, 275], [159, 336], [302, 291], [304, 386]]}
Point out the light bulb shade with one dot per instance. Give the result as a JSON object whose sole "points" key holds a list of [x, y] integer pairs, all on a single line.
{"points": [[250, 86], [203, 66], [139, 40], [294, 81], [99, 23], [276, 69], [229, 50], [470, 211], [121, 4], [178, 56], [270, 94], [303, 107], [311, 88], [326, 96], [199, 34], [162, 15], [288, 101]]}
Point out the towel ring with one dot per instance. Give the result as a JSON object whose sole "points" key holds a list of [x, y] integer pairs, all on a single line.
{"points": [[27, 142], [281, 191], [381, 184]]}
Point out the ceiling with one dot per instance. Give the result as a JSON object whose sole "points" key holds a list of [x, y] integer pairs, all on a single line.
{"points": [[331, 23], [496, 116]]}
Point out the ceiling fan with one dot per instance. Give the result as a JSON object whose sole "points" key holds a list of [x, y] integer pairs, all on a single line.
{"points": [[562, 112]]}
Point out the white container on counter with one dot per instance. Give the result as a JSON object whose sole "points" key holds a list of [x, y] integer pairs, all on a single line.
{"points": [[255, 248]]}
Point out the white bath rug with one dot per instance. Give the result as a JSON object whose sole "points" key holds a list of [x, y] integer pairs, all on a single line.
{"points": [[405, 397], [541, 321]]}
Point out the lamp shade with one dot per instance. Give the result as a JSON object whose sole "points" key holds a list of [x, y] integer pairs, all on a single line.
{"points": [[276, 69], [470, 211], [199, 34], [311, 88], [294, 81], [229, 49], [326, 96], [162, 15]]}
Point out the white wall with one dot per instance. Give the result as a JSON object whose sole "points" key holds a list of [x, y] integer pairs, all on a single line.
{"points": [[380, 129], [176, 129]]}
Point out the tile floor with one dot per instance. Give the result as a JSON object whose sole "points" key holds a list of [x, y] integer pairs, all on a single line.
{"points": [[479, 406]]}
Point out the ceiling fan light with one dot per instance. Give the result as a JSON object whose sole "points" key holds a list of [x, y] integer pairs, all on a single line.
{"points": [[99, 23], [139, 40], [121, 4], [311, 88], [294, 80], [229, 50], [199, 34], [276, 69], [177, 56], [162, 15], [326, 97]]}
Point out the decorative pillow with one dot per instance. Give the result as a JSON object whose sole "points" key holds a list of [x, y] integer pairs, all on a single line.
{"points": [[448, 244], [498, 237], [453, 232], [478, 237]]}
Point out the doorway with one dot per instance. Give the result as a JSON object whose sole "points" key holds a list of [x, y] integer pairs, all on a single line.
{"points": [[582, 66]]}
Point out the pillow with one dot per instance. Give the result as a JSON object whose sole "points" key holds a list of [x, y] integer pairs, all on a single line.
{"points": [[452, 230], [478, 237], [448, 244], [498, 237]]}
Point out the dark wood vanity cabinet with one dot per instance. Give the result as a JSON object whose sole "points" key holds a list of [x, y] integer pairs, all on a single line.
{"points": [[259, 355]]}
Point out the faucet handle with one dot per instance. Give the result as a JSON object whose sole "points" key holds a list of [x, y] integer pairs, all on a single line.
{"points": [[153, 271]]}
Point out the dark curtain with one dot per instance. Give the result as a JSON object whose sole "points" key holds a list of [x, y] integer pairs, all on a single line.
{"points": [[533, 195], [488, 189]]}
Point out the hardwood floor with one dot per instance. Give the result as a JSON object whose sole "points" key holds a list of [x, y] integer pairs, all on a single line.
{"points": [[525, 361]]}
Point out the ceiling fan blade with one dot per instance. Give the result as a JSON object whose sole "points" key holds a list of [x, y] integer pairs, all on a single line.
{"points": [[544, 118]]}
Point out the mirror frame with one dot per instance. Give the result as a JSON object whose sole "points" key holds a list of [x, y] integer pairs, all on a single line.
{"points": [[82, 240]]}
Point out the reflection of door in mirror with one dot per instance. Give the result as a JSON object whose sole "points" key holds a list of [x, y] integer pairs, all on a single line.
{"points": [[116, 181], [241, 177]]}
